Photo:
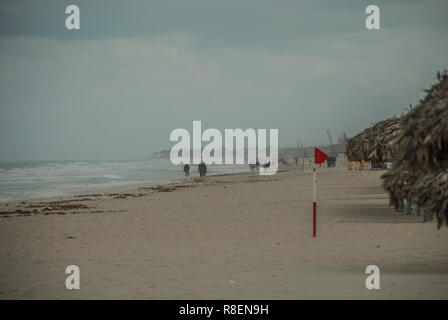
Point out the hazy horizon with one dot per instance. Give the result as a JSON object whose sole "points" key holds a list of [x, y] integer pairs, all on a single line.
{"points": [[136, 70]]}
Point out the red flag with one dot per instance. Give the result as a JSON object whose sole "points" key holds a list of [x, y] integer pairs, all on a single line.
{"points": [[319, 156]]}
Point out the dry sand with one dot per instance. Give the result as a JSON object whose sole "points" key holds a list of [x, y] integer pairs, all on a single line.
{"points": [[226, 237]]}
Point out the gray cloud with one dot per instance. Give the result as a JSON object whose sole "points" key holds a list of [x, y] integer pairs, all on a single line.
{"points": [[136, 71]]}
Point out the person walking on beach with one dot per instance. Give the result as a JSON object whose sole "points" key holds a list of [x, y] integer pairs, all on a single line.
{"points": [[187, 169], [202, 168]]}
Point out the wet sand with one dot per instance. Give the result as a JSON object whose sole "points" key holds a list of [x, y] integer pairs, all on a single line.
{"points": [[240, 236]]}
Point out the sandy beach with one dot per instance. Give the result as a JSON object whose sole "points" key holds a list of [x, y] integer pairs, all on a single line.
{"points": [[240, 236]]}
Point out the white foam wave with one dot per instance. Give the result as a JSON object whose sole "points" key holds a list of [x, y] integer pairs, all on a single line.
{"points": [[49, 179]]}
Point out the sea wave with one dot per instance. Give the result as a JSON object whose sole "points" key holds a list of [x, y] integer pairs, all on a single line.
{"points": [[40, 179]]}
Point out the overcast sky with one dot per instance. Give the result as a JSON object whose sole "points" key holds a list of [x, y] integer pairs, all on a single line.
{"points": [[136, 70]]}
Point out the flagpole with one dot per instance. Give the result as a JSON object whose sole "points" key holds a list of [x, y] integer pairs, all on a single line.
{"points": [[314, 199], [319, 157]]}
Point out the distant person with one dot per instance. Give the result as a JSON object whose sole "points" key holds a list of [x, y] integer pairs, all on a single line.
{"points": [[187, 169], [202, 168]]}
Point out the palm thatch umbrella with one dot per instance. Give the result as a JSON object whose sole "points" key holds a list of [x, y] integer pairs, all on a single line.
{"points": [[430, 192], [373, 144], [398, 182], [421, 152], [423, 135]]}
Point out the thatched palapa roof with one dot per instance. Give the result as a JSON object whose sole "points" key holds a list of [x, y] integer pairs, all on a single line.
{"points": [[423, 135], [373, 144], [421, 151]]}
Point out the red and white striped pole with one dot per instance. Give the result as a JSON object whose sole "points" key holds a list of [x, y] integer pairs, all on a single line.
{"points": [[319, 157], [314, 200]]}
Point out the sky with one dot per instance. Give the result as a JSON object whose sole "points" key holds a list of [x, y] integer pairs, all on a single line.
{"points": [[136, 70]]}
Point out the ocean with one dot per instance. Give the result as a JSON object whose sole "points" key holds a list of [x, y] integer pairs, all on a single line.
{"points": [[41, 179]]}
